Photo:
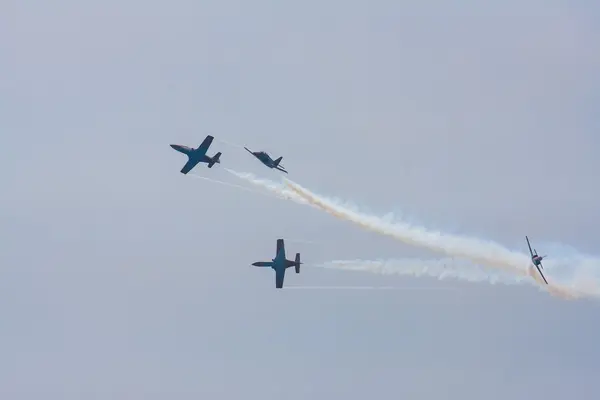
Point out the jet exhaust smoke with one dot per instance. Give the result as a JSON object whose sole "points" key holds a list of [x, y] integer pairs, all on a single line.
{"points": [[233, 185], [480, 252], [366, 288], [274, 188], [227, 143], [443, 269]]}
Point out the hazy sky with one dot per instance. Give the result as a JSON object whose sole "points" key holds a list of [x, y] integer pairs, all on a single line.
{"points": [[121, 278]]}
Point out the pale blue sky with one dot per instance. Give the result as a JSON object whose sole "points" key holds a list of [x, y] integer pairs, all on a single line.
{"points": [[122, 278]]}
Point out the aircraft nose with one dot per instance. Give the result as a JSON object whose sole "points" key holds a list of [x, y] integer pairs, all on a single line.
{"points": [[173, 146]]}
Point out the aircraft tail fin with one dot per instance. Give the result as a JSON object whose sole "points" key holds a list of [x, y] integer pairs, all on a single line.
{"points": [[215, 159], [277, 161], [297, 263]]}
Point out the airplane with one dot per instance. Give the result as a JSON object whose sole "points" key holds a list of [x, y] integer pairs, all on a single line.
{"points": [[280, 264], [267, 160], [198, 155], [536, 260]]}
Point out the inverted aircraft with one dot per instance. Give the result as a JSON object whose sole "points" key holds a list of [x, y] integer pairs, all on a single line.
{"points": [[198, 155], [280, 264], [267, 160], [536, 260]]}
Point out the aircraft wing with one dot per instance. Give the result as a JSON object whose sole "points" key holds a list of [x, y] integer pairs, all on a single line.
{"points": [[280, 247], [529, 245], [540, 271], [189, 165], [279, 276], [203, 148], [281, 169]]}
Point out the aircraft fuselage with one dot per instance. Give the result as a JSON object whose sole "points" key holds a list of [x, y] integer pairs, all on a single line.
{"points": [[282, 264], [265, 159], [195, 155]]}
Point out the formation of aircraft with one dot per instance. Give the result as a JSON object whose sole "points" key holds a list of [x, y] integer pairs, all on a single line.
{"points": [[198, 155], [267, 160], [536, 260], [280, 263]]}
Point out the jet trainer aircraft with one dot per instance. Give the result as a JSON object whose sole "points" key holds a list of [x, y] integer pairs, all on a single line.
{"points": [[198, 155], [267, 160], [280, 264], [536, 260]]}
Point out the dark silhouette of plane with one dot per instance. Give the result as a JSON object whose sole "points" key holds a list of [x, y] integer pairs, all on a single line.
{"points": [[267, 160], [536, 260], [198, 155], [280, 264]]}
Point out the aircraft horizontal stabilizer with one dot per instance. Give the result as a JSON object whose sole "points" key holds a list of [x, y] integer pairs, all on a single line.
{"points": [[297, 263], [215, 159]]}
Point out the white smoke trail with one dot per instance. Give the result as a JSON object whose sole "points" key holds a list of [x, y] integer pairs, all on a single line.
{"points": [[275, 188], [366, 288], [478, 251], [442, 270], [481, 252], [233, 185], [268, 194], [225, 142]]}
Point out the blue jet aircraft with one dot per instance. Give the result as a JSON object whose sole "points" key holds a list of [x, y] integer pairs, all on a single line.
{"points": [[198, 155], [280, 264], [267, 160], [536, 260]]}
